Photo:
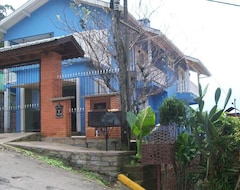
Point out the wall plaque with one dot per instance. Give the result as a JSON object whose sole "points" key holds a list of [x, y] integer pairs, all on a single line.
{"points": [[59, 111]]}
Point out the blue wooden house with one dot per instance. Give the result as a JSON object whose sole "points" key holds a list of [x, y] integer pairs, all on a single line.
{"points": [[66, 27]]}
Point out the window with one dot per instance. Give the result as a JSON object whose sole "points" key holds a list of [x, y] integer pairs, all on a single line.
{"points": [[32, 38], [171, 63], [100, 87], [100, 106], [100, 103]]}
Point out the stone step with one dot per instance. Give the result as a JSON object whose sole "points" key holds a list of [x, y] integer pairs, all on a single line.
{"points": [[73, 140]]}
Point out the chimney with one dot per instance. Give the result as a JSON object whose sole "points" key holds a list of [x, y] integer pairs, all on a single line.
{"points": [[144, 22], [115, 5]]}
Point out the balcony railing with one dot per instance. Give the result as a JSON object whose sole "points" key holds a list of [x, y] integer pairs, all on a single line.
{"points": [[187, 86]]}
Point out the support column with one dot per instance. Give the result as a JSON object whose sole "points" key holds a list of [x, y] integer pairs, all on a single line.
{"points": [[22, 108], [51, 87], [6, 110], [78, 105], [6, 97]]}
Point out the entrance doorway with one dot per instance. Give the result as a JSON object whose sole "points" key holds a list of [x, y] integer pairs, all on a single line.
{"points": [[69, 89]]}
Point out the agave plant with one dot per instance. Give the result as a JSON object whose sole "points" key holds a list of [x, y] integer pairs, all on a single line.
{"points": [[209, 138]]}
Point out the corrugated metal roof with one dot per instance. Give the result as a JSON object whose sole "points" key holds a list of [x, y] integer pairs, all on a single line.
{"points": [[42, 41], [66, 46]]}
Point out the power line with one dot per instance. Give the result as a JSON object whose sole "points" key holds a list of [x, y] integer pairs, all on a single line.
{"points": [[226, 3]]}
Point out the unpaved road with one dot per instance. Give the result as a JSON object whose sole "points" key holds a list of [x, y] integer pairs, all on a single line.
{"points": [[19, 172]]}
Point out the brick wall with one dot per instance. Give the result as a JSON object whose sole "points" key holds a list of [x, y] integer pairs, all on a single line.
{"points": [[113, 102], [51, 88]]}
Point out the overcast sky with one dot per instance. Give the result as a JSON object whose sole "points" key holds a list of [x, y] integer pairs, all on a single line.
{"points": [[206, 30]]}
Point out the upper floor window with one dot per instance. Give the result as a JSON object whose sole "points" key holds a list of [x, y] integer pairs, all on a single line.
{"points": [[31, 38], [100, 106], [171, 63]]}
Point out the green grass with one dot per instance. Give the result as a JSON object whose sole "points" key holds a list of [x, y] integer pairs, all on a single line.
{"points": [[50, 161], [55, 162], [61, 164]]}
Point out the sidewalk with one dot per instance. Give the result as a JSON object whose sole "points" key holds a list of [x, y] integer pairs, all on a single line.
{"points": [[8, 137], [15, 139], [19, 172]]}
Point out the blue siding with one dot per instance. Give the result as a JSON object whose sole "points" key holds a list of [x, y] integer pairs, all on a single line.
{"points": [[46, 20], [25, 75], [42, 21], [155, 102]]}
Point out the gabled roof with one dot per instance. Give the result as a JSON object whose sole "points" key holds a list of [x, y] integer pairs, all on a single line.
{"points": [[19, 14], [168, 43], [29, 7], [66, 46]]}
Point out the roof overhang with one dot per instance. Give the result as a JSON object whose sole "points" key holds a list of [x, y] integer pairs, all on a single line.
{"points": [[196, 65], [96, 3], [66, 46], [19, 14]]}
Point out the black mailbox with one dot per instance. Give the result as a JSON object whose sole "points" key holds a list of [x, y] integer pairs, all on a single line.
{"points": [[104, 119]]}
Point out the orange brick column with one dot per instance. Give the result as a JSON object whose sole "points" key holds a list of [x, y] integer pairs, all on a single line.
{"points": [[51, 87], [114, 103], [61, 126]]}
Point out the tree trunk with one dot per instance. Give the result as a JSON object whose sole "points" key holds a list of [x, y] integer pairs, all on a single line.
{"points": [[121, 58]]}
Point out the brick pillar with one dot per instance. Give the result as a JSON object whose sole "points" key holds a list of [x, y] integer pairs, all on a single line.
{"points": [[51, 87], [114, 103]]}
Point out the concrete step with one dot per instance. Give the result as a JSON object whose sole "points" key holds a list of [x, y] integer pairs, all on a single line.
{"points": [[73, 140]]}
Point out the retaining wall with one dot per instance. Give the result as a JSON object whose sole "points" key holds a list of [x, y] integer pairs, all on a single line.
{"points": [[106, 163]]}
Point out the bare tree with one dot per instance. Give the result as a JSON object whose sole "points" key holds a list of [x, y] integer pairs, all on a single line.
{"points": [[104, 44]]}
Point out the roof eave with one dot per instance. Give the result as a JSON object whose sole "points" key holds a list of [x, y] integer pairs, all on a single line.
{"points": [[66, 46], [199, 66], [19, 14], [97, 3]]}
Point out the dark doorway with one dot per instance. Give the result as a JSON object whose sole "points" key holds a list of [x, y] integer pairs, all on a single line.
{"points": [[70, 90]]}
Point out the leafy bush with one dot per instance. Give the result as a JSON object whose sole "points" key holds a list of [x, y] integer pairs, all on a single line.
{"points": [[173, 111], [215, 135]]}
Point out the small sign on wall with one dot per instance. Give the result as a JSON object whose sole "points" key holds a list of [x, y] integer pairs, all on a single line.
{"points": [[59, 111]]}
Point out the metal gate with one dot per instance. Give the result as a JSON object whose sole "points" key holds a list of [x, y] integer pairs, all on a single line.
{"points": [[20, 95], [83, 84], [19, 99]]}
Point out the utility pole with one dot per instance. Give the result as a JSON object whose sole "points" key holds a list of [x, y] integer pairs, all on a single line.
{"points": [[121, 41], [128, 80], [127, 52]]}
